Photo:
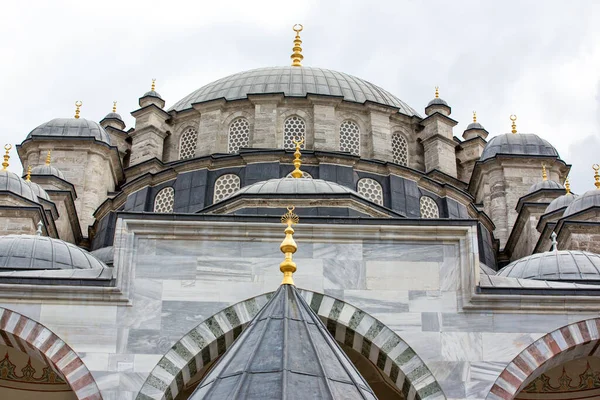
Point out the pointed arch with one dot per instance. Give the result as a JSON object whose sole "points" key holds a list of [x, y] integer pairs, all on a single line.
{"points": [[348, 325], [551, 350], [33, 338]]}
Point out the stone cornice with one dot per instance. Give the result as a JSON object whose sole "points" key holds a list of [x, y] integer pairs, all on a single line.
{"points": [[150, 109], [437, 116]]}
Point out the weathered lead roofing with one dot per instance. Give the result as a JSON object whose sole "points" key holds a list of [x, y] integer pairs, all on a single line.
{"points": [[437, 102], [285, 353], [295, 186], [518, 144], [11, 182], [71, 127], [293, 82], [32, 252], [560, 202], [547, 184], [591, 198], [46, 169], [38, 190], [561, 265]]}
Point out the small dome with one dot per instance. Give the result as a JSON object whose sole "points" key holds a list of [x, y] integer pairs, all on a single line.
{"points": [[547, 184], [475, 125], [526, 144], [562, 265], [591, 198], [32, 252], [437, 102], [560, 202], [13, 183], [295, 186], [46, 169], [105, 254], [38, 190], [71, 127], [113, 115], [152, 93]]}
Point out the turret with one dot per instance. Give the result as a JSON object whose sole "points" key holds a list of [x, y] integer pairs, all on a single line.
{"points": [[470, 150]]}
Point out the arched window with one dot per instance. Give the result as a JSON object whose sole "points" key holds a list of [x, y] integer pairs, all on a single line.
{"points": [[429, 208], [305, 175], [187, 143], [350, 137], [239, 134], [164, 200], [225, 186], [370, 189], [294, 128], [399, 149]]}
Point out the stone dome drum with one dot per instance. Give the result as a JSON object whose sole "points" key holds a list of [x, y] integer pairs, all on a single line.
{"points": [[293, 82], [32, 252], [71, 128], [524, 144], [561, 265], [11, 182], [591, 198]]}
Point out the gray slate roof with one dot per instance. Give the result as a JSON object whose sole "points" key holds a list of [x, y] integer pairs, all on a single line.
{"points": [[285, 353], [47, 170], [293, 82], [295, 186], [547, 184], [560, 202], [591, 198], [11, 182], [518, 144], [32, 252], [71, 127], [561, 265]]}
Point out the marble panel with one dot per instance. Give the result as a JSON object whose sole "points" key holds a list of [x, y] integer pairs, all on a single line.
{"points": [[117, 395], [95, 361], [198, 248], [477, 390], [270, 249], [29, 310], [485, 371], [430, 321], [145, 311], [179, 317], [211, 291], [80, 315], [400, 321], [467, 322], [120, 362], [106, 380], [144, 363], [450, 269], [431, 301], [529, 322], [132, 381], [461, 346], [398, 275], [145, 246], [405, 251], [88, 339], [166, 267], [450, 370], [344, 274], [426, 345], [338, 251], [220, 269], [505, 346], [149, 341], [383, 301]]}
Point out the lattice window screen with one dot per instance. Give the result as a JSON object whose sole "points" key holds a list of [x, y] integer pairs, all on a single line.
{"points": [[350, 138], [164, 200], [225, 186], [239, 134], [399, 149], [187, 143], [429, 208], [370, 189], [294, 128]]}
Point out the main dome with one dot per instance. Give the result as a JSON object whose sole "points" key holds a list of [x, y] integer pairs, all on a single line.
{"points": [[293, 82]]}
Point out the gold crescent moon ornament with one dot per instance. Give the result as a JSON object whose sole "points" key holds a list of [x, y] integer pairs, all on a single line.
{"points": [[513, 118], [298, 28]]}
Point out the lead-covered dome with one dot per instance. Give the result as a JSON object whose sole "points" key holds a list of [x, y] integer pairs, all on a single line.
{"points": [[298, 186], [525, 144], [70, 128], [560, 202], [561, 265], [293, 82], [38, 190], [11, 182], [32, 252], [545, 184], [591, 198], [46, 169]]}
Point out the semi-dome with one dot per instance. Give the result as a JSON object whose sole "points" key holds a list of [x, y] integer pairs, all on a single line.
{"points": [[295, 186], [33, 252], [46, 169], [293, 82], [11, 182], [38, 190], [560, 202], [545, 184], [71, 127], [525, 144], [561, 265], [591, 198]]}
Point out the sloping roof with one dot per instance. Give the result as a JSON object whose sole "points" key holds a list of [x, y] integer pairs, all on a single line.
{"points": [[285, 353]]}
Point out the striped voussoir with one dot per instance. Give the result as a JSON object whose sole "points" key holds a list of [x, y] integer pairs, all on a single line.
{"points": [[572, 341], [35, 339], [349, 325]]}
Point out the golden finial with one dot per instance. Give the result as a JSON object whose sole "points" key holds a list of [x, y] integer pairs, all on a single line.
{"points": [[474, 116], [437, 92], [7, 147], [114, 107], [297, 56], [153, 87], [296, 173], [78, 105], [288, 246], [596, 167], [567, 186], [544, 174], [513, 118], [48, 157], [28, 176]]}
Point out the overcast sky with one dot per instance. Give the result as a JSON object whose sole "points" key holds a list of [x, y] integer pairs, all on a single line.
{"points": [[537, 59]]}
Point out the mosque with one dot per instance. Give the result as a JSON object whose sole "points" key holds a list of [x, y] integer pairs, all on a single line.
{"points": [[144, 262]]}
